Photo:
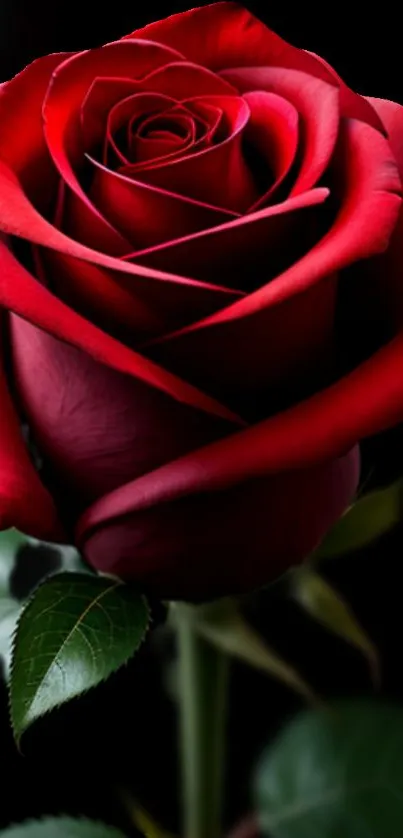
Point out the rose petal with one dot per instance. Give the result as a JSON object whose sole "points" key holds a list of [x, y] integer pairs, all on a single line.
{"points": [[367, 176], [352, 104], [183, 80], [19, 480], [225, 35], [22, 294], [373, 290], [146, 215], [218, 175], [240, 250], [127, 111], [97, 295], [18, 217], [217, 544], [61, 113], [390, 265], [272, 132], [22, 145], [102, 95], [94, 443], [365, 402], [118, 307], [317, 103]]}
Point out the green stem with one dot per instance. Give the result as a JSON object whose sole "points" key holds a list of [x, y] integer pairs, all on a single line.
{"points": [[203, 680]]}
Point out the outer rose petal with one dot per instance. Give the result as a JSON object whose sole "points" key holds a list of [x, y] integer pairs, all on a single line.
{"points": [[225, 35], [222, 542], [389, 268], [23, 294], [96, 427], [24, 502], [22, 144], [227, 344]]}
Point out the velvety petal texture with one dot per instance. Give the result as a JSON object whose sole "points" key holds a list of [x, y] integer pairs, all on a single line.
{"points": [[199, 223]]}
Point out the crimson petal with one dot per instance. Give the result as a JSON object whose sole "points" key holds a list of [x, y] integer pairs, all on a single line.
{"points": [[367, 174], [218, 174], [19, 480], [146, 215], [272, 131], [218, 543], [317, 103], [224, 35], [61, 113]]}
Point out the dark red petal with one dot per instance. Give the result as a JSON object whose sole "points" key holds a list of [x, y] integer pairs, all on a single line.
{"points": [[183, 80], [96, 427], [61, 113], [102, 95], [82, 222], [96, 294], [367, 177], [161, 290], [219, 543], [22, 294], [128, 110], [379, 286], [367, 401], [225, 35], [22, 144], [160, 144], [317, 103], [238, 252], [218, 174], [119, 307], [146, 215], [369, 184], [24, 501], [272, 133]]}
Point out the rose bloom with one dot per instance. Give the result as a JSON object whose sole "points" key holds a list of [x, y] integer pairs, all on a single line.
{"points": [[201, 281]]}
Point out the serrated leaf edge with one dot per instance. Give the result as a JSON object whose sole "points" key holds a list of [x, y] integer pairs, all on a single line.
{"points": [[13, 643]]}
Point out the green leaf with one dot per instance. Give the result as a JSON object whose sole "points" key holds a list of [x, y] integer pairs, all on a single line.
{"points": [[223, 625], [335, 774], [328, 607], [369, 518], [61, 828], [75, 631], [9, 612]]}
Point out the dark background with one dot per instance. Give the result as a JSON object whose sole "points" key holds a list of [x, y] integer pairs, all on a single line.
{"points": [[124, 734], [364, 45]]}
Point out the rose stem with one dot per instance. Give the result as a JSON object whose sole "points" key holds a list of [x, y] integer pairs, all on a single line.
{"points": [[203, 682]]}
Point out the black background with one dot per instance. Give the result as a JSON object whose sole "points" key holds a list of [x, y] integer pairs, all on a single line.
{"points": [[124, 732], [363, 44]]}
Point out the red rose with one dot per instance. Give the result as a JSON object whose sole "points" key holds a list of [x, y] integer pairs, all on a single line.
{"points": [[198, 203]]}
